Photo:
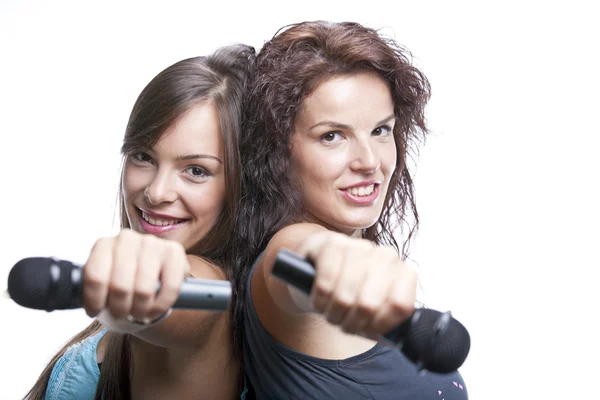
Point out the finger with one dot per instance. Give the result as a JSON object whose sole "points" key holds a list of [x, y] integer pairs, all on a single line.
{"points": [[147, 275], [356, 262], [120, 296], [399, 304], [327, 255], [374, 290], [96, 276], [313, 244], [174, 264], [369, 301]]}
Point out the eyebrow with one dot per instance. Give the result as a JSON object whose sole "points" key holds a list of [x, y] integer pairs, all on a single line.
{"points": [[337, 125], [197, 156]]}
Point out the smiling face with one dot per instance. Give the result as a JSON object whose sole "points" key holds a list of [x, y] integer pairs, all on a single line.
{"points": [[176, 190], [343, 151]]}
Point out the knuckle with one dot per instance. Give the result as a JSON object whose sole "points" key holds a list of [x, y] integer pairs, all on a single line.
{"points": [[325, 278], [102, 246], [93, 280], [148, 241], [173, 249], [322, 289], [344, 301], [124, 233], [102, 242], [119, 291], [385, 253], [179, 247], [143, 295], [169, 248], [364, 244], [127, 235], [323, 236], [367, 307], [171, 288], [337, 240], [162, 305], [404, 276], [410, 274], [401, 307]]}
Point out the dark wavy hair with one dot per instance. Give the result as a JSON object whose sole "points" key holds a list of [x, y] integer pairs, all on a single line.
{"points": [[221, 78], [288, 68]]}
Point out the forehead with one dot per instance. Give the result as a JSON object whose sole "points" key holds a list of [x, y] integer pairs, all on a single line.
{"points": [[358, 94], [195, 131]]}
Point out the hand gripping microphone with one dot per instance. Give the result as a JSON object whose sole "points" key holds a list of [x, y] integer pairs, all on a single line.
{"points": [[433, 340], [50, 284]]}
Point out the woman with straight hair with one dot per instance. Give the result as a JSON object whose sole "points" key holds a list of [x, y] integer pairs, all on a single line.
{"points": [[178, 196]]}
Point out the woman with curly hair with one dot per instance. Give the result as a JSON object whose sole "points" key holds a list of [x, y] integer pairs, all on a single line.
{"points": [[333, 111]]}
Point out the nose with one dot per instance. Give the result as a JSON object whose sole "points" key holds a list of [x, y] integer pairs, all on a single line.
{"points": [[161, 189], [366, 159]]}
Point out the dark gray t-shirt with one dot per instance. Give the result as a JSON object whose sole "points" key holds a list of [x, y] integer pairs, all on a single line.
{"points": [[278, 372]]}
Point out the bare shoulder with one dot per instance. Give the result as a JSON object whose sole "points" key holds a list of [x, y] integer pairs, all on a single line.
{"points": [[270, 295], [290, 238], [204, 269]]}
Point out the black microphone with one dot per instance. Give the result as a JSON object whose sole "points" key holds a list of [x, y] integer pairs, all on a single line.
{"points": [[49, 284], [433, 340]]}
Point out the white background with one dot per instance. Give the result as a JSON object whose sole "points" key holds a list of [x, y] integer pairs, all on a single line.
{"points": [[507, 185]]}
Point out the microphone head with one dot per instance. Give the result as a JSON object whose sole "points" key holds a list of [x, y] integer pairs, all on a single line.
{"points": [[436, 341], [43, 283]]}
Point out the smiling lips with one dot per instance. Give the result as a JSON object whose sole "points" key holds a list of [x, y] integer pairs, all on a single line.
{"points": [[362, 194], [156, 223]]}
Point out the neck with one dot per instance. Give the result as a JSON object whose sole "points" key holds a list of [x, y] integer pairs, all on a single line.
{"points": [[207, 372], [353, 232]]}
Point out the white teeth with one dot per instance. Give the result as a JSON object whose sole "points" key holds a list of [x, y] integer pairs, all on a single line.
{"points": [[158, 222], [362, 190]]}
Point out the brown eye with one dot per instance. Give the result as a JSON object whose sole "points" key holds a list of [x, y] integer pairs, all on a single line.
{"points": [[382, 131], [197, 173], [331, 137], [142, 157]]}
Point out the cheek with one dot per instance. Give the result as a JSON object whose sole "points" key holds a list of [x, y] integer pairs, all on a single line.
{"points": [[316, 168], [134, 181], [388, 159], [207, 203]]}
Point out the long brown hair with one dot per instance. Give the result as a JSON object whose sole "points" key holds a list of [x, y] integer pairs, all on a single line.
{"points": [[288, 68], [220, 78]]}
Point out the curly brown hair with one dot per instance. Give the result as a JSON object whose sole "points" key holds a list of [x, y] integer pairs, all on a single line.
{"points": [[288, 68]]}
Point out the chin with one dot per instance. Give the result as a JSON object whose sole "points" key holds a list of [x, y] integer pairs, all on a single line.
{"points": [[350, 227], [363, 222]]}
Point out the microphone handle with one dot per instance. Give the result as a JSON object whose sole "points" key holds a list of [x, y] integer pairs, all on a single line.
{"points": [[194, 294], [203, 294]]}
